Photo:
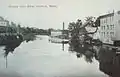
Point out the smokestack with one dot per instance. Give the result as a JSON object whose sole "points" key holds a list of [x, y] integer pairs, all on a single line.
{"points": [[63, 27]]}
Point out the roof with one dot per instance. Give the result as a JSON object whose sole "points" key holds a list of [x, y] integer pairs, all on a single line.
{"points": [[118, 12], [97, 22], [1, 18], [106, 15]]}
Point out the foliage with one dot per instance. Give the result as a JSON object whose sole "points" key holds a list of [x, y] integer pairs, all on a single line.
{"points": [[80, 41]]}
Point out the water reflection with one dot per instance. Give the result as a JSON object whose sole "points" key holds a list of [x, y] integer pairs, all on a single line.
{"points": [[109, 61], [13, 42], [82, 49], [10, 44], [11, 47], [43, 59], [29, 37]]}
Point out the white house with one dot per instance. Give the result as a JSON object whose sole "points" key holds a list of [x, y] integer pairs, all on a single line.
{"points": [[3, 22], [109, 27]]}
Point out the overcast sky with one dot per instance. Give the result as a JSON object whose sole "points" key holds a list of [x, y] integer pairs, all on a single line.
{"points": [[52, 17]]}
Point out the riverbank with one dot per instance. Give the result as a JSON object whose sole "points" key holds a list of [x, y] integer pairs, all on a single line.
{"points": [[29, 37], [109, 60], [10, 38]]}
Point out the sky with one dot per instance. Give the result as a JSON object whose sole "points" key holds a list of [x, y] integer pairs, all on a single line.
{"points": [[45, 17]]}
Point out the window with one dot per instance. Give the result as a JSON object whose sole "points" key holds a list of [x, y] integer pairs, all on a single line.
{"points": [[119, 22], [107, 33], [104, 27], [106, 20], [111, 33], [111, 27], [101, 22], [101, 33], [112, 18], [104, 34], [107, 26]]}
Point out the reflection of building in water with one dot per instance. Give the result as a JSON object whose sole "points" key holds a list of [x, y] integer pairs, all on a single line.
{"points": [[109, 61], [109, 27]]}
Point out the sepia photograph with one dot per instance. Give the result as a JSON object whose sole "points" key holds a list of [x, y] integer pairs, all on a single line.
{"points": [[59, 38]]}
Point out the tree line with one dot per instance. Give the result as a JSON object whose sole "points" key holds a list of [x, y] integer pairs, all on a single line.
{"points": [[13, 28]]}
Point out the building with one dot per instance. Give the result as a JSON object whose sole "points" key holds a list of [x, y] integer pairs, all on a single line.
{"points": [[3, 22], [3, 25], [109, 27], [59, 33], [55, 33], [6, 27]]}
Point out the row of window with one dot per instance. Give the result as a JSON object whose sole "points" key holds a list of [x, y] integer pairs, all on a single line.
{"points": [[107, 34], [2, 23], [105, 20], [107, 27]]}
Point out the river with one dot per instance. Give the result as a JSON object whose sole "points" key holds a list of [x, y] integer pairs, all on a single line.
{"points": [[40, 58]]}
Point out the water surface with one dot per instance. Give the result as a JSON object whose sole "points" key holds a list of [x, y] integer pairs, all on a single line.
{"points": [[40, 58]]}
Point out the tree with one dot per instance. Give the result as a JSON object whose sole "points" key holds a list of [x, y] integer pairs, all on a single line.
{"points": [[74, 28], [80, 37], [92, 23]]}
